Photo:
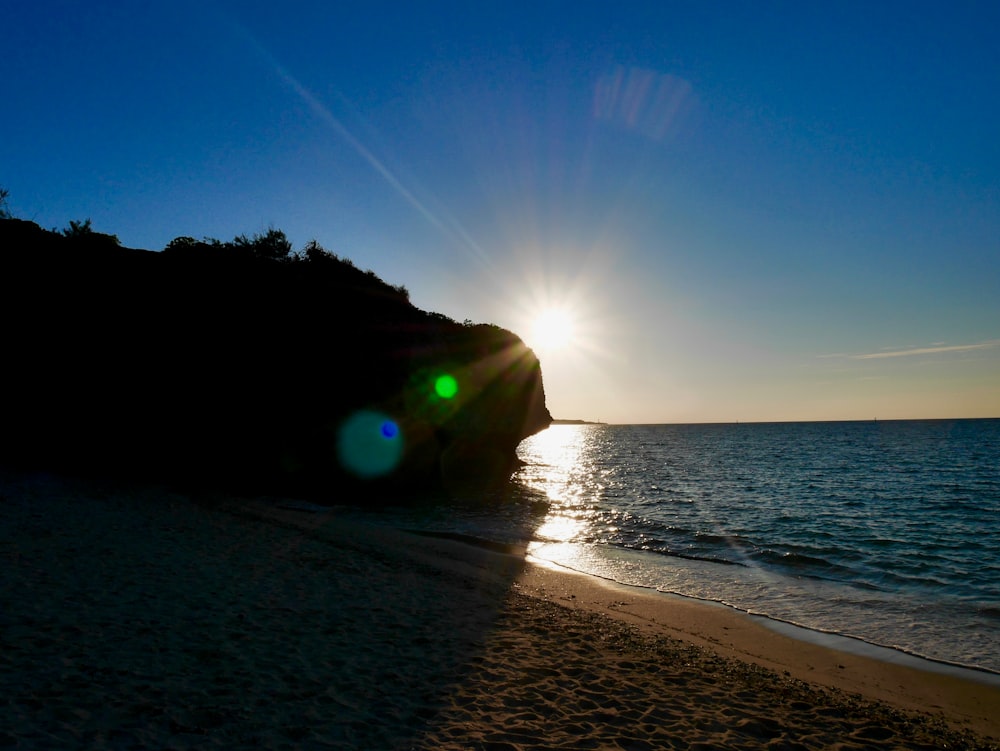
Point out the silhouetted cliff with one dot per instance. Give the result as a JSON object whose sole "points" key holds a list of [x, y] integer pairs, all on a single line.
{"points": [[244, 364]]}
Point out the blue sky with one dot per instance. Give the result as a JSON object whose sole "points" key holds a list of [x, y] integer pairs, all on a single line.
{"points": [[750, 211]]}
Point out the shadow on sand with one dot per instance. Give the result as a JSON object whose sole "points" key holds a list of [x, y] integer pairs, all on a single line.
{"points": [[142, 617]]}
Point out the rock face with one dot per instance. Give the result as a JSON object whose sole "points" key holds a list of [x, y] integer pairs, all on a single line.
{"points": [[208, 362]]}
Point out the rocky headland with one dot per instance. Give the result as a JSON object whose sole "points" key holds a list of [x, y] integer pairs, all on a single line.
{"points": [[245, 364]]}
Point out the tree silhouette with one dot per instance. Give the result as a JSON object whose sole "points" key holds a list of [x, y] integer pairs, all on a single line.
{"points": [[78, 229], [273, 245], [83, 232], [182, 243], [313, 252]]}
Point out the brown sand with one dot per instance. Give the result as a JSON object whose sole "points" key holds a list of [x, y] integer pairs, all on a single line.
{"points": [[142, 618]]}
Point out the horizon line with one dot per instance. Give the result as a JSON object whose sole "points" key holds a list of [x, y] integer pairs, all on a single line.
{"points": [[777, 422]]}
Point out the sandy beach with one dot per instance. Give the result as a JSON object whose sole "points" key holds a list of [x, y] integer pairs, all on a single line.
{"points": [[143, 617]]}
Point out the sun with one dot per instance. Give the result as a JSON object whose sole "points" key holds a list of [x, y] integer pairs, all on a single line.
{"points": [[552, 329]]}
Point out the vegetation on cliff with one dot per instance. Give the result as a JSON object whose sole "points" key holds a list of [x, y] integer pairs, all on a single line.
{"points": [[248, 364]]}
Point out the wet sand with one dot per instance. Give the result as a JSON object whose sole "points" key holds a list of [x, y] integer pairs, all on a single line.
{"points": [[146, 618]]}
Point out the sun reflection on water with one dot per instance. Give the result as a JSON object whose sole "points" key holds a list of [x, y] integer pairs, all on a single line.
{"points": [[558, 463], [551, 458], [559, 527]]}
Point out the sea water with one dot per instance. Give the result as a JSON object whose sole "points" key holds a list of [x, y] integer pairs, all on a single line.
{"points": [[888, 532]]}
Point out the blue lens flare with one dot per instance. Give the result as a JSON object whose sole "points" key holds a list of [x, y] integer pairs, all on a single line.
{"points": [[369, 444]]}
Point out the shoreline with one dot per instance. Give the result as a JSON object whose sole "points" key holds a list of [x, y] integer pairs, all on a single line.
{"points": [[143, 617], [908, 682], [828, 639], [880, 653]]}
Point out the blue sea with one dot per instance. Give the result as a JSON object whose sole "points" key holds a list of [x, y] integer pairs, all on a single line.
{"points": [[887, 532]]}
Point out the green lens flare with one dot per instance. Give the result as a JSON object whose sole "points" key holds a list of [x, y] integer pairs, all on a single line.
{"points": [[446, 386], [369, 444]]}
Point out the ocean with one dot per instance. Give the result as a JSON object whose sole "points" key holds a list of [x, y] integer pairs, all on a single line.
{"points": [[886, 532]]}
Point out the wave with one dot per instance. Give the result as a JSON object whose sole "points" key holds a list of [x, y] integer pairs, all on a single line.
{"points": [[989, 611], [803, 563]]}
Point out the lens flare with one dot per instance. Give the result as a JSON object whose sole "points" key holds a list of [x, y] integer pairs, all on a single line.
{"points": [[369, 444], [446, 386]]}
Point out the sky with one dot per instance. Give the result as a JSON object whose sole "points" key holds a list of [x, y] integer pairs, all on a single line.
{"points": [[738, 211]]}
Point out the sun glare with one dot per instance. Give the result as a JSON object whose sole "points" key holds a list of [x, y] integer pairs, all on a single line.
{"points": [[552, 329]]}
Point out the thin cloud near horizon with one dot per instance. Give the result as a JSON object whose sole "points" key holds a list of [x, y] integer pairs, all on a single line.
{"points": [[927, 350]]}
